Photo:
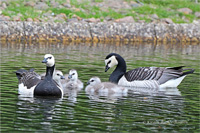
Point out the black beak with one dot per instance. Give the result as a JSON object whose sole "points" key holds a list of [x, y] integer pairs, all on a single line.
{"points": [[107, 67], [62, 77], [45, 60], [88, 82], [70, 76]]}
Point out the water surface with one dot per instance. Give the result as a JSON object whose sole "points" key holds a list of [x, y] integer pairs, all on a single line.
{"points": [[174, 109]]}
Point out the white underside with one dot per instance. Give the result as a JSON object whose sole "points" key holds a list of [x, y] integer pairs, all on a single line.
{"points": [[143, 83], [22, 90], [62, 92], [150, 83], [172, 83]]}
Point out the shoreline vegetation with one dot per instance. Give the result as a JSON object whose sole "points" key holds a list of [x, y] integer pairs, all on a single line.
{"points": [[100, 20]]}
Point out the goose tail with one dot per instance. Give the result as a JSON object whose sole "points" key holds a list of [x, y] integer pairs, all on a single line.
{"points": [[19, 73], [188, 71], [185, 71], [175, 82]]}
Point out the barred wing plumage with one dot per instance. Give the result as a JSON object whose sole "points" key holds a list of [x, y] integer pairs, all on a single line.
{"points": [[28, 78], [160, 74]]}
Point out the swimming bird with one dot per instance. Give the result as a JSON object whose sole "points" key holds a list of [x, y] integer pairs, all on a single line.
{"points": [[150, 77], [57, 75], [66, 80], [73, 81], [30, 83], [95, 86]]}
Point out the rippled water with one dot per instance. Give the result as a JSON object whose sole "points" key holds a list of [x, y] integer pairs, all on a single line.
{"points": [[142, 110]]}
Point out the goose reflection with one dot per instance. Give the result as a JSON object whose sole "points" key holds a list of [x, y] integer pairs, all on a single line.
{"points": [[155, 91], [72, 95], [143, 93], [38, 109]]}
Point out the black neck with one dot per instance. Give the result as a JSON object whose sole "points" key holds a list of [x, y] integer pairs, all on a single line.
{"points": [[49, 71], [119, 71]]}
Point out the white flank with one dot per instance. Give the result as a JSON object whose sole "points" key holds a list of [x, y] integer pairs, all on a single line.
{"points": [[89, 89], [61, 89], [143, 83], [103, 91], [172, 82], [80, 84], [119, 89], [22, 90]]}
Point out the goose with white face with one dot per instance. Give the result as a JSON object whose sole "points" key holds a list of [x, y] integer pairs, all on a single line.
{"points": [[49, 60], [73, 75], [94, 81], [58, 76], [73, 83], [95, 86], [148, 77], [110, 62]]}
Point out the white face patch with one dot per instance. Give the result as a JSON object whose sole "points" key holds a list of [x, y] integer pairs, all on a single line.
{"points": [[94, 81], [50, 60], [112, 61], [74, 74], [57, 75]]}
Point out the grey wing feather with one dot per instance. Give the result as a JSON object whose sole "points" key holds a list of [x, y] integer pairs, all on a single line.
{"points": [[160, 74], [144, 73], [170, 73], [28, 78]]}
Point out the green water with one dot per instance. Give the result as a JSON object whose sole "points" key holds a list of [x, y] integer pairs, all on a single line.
{"points": [[143, 111]]}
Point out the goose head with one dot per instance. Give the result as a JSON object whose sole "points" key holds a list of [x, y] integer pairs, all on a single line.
{"points": [[93, 81], [58, 75], [73, 75], [49, 60], [110, 61]]}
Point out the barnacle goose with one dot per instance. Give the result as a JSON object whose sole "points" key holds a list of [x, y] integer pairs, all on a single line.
{"points": [[150, 77], [58, 77], [73, 81], [95, 86], [30, 83], [57, 74]]}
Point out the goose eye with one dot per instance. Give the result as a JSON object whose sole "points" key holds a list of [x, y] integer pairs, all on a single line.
{"points": [[109, 62], [50, 57], [58, 74], [73, 73], [92, 80]]}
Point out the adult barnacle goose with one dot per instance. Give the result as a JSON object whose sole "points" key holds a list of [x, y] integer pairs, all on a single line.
{"points": [[30, 83], [151, 77]]}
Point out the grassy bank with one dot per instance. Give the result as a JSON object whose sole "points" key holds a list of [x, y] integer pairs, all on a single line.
{"points": [[93, 9]]}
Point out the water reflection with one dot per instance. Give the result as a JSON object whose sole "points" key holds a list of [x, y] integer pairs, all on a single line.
{"points": [[92, 49], [155, 91], [172, 109], [72, 95], [110, 98], [29, 107]]}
